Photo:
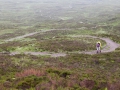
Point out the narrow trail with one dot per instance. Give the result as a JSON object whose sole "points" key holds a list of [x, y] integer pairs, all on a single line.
{"points": [[110, 45], [30, 34], [51, 54]]}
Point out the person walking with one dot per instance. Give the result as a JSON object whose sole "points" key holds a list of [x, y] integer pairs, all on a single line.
{"points": [[98, 45]]}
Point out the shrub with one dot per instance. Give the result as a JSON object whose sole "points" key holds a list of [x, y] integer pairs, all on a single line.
{"points": [[63, 74], [29, 82]]}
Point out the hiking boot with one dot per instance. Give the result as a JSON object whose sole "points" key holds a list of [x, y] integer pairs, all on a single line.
{"points": [[97, 51]]}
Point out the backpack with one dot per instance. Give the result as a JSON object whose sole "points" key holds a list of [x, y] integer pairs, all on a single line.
{"points": [[98, 45]]}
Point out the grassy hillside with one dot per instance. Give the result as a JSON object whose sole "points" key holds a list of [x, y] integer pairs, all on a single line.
{"points": [[57, 23]]}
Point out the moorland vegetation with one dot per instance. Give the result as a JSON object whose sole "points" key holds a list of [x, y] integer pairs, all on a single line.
{"points": [[60, 21]]}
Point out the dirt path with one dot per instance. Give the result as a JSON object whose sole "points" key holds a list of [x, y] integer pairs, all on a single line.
{"points": [[110, 45], [51, 54], [30, 34]]}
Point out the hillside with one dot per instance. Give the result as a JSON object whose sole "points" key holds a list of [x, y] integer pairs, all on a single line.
{"points": [[51, 44]]}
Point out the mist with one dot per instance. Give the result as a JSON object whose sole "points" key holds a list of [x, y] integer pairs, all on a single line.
{"points": [[60, 44], [32, 11]]}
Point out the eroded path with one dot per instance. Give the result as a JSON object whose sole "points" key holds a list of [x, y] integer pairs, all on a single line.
{"points": [[30, 34], [110, 45]]}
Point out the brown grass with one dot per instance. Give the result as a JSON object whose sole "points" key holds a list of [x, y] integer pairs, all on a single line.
{"points": [[30, 72]]}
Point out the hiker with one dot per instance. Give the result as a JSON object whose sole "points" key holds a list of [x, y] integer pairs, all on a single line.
{"points": [[98, 45]]}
